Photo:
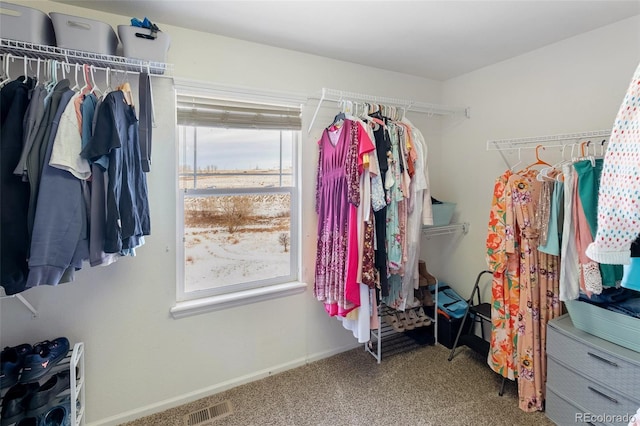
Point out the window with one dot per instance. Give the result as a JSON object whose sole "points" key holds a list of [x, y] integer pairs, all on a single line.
{"points": [[238, 195]]}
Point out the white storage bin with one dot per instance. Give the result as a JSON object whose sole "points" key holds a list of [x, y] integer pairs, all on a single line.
{"points": [[133, 46], [442, 213], [73, 32], [26, 24]]}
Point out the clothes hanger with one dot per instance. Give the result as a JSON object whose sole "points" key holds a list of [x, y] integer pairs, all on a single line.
{"points": [[513, 168], [585, 155], [7, 76], [87, 87], [602, 147], [108, 78], [75, 78], [543, 175], [53, 75], [340, 117], [25, 61], [65, 68], [538, 162], [95, 87]]}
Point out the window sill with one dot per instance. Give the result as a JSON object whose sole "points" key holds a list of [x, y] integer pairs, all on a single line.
{"points": [[225, 301]]}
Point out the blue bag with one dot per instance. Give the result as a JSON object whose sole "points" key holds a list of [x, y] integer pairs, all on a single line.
{"points": [[449, 302]]}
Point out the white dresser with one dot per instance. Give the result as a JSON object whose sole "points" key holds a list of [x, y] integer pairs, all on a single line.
{"points": [[589, 380]]}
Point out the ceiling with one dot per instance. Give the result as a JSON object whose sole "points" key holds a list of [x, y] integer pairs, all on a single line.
{"points": [[433, 39]]}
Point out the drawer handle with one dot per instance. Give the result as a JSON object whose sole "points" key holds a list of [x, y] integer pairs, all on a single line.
{"points": [[615, 401], [602, 359]]}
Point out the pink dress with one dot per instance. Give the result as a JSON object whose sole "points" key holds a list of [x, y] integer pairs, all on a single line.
{"points": [[337, 196]]}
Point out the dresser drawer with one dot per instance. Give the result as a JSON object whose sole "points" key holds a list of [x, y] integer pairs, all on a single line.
{"points": [[596, 398], [598, 362], [563, 412]]}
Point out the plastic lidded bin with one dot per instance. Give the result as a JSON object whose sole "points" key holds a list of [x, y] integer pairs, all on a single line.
{"points": [[442, 213], [26, 24], [89, 35], [137, 43]]}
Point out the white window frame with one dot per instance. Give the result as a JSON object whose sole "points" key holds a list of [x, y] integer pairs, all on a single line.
{"points": [[197, 302]]}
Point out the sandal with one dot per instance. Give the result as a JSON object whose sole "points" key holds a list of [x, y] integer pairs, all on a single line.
{"points": [[406, 321], [394, 322], [417, 321], [426, 321]]}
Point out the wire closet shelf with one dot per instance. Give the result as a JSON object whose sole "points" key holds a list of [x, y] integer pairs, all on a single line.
{"points": [[334, 95], [552, 140], [21, 49]]}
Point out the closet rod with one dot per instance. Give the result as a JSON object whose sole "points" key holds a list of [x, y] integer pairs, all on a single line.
{"points": [[21, 49], [532, 142], [334, 95]]}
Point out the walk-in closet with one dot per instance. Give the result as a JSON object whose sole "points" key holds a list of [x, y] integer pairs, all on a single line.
{"points": [[262, 212]]}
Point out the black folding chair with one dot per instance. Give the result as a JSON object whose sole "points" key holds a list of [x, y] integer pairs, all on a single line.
{"points": [[478, 313]]}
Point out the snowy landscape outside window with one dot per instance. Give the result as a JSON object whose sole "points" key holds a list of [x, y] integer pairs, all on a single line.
{"points": [[238, 196]]}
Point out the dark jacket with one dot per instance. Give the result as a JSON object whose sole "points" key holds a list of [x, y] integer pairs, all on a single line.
{"points": [[14, 193]]}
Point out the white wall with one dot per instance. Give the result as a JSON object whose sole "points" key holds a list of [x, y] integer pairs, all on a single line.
{"points": [[140, 360], [569, 87]]}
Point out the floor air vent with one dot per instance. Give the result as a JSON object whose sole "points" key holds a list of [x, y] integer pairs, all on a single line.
{"points": [[207, 416]]}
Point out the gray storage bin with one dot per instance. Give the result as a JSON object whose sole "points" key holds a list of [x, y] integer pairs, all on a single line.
{"points": [[142, 48], [89, 35], [26, 24]]}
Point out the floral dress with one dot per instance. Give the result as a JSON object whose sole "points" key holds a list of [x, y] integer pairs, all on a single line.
{"points": [[505, 287], [538, 289]]}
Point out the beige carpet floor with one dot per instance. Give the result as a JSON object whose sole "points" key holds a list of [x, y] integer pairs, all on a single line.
{"points": [[416, 387]]}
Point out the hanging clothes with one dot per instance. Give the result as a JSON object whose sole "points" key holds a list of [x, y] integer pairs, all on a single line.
{"points": [[618, 210], [538, 300], [116, 136], [48, 205], [524, 289], [59, 242], [505, 266], [341, 150], [371, 206], [14, 244]]}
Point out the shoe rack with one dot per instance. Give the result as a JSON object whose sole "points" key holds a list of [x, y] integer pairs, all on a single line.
{"points": [[76, 368], [396, 341], [74, 362], [385, 340]]}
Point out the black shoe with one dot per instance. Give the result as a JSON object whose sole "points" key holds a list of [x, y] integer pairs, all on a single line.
{"points": [[11, 361], [14, 403], [44, 357], [57, 416], [47, 395]]}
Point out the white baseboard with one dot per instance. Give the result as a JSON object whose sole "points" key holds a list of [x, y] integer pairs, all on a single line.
{"points": [[217, 388]]}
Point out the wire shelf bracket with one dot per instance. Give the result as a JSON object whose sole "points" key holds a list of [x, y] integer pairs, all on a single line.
{"points": [[25, 302], [333, 95]]}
